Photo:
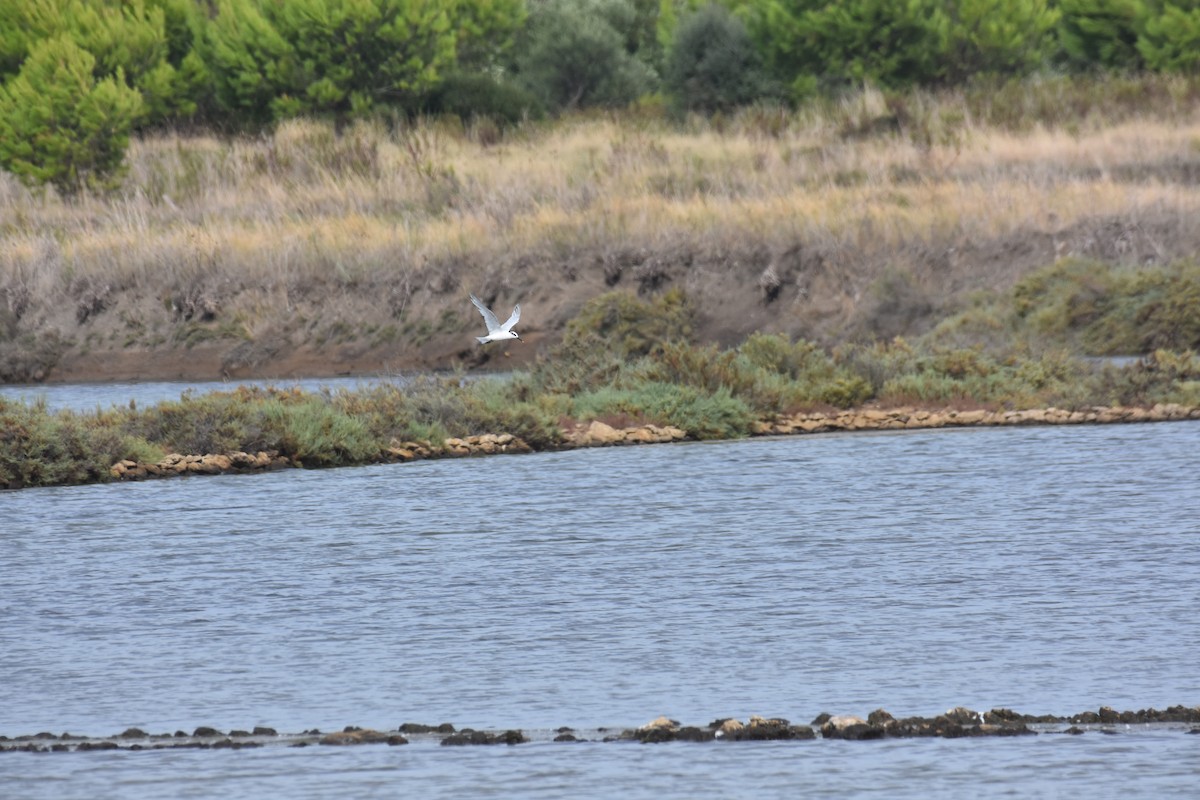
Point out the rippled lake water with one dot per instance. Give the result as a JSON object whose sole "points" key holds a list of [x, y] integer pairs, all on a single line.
{"points": [[1049, 570]]}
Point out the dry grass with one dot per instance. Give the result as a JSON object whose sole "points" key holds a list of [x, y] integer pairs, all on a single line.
{"points": [[271, 209], [414, 209]]}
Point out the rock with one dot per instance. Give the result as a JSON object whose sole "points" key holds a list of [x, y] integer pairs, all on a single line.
{"points": [[659, 722], [845, 726], [963, 716], [760, 730], [1000, 715], [417, 727], [206, 731], [98, 746], [242, 460], [728, 727], [481, 737], [602, 434], [215, 464], [879, 717], [660, 734], [355, 736], [640, 436], [260, 730], [133, 733]]}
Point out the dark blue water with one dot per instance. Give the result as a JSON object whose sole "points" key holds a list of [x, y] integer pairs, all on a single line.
{"points": [[1049, 570]]}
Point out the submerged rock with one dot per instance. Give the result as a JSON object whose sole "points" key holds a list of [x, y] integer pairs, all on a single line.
{"points": [[468, 737]]}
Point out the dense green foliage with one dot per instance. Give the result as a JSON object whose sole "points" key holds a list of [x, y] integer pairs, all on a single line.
{"points": [[148, 45], [60, 125], [1089, 308], [575, 53], [343, 57], [1101, 34], [251, 64], [712, 64]]}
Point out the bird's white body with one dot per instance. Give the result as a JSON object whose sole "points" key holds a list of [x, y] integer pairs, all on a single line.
{"points": [[495, 331]]}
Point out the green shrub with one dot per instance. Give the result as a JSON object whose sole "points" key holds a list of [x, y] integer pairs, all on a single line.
{"points": [[219, 422], [1170, 38], [575, 53], [704, 415], [1100, 34], [1107, 310], [38, 448], [847, 43], [630, 326], [712, 64], [151, 43], [275, 60], [474, 95], [312, 431], [986, 37], [59, 125]]}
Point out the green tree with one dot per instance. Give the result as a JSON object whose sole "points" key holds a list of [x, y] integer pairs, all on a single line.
{"points": [[485, 31], [576, 53], [889, 42], [997, 37], [60, 125], [126, 35], [1101, 34], [276, 59], [712, 64], [1170, 39]]}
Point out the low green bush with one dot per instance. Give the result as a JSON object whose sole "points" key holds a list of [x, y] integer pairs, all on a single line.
{"points": [[704, 415]]}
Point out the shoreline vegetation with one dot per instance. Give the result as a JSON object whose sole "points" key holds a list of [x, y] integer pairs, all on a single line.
{"points": [[955, 723], [624, 373], [1030, 246]]}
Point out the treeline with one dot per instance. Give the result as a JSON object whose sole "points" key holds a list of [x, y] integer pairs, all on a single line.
{"points": [[80, 76]]}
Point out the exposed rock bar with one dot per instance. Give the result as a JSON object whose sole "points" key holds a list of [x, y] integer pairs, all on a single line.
{"points": [[879, 724]]}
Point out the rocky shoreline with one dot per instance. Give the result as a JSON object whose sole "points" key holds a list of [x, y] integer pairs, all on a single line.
{"points": [[600, 434], [879, 724]]}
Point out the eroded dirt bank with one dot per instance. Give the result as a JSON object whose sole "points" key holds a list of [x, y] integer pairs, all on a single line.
{"points": [[219, 326]]}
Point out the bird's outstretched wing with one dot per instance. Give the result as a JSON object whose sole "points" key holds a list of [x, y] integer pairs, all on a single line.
{"points": [[489, 319], [516, 316]]}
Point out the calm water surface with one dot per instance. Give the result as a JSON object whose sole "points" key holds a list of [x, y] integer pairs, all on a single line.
{"points": [[1049, 570]]}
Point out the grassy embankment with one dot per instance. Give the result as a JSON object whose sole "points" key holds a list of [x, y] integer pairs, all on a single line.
{"points": [[623, 361], [303, 252], [1003, 234]]}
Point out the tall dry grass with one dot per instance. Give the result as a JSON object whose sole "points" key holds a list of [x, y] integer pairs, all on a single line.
{"points": [[373, 205]]}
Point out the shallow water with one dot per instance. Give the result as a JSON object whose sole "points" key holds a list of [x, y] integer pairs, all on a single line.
{"points": [[1050, 570]]}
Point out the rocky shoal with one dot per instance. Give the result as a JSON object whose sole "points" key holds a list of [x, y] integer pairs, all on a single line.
{"points": [[600, 434], [879, 724]]}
